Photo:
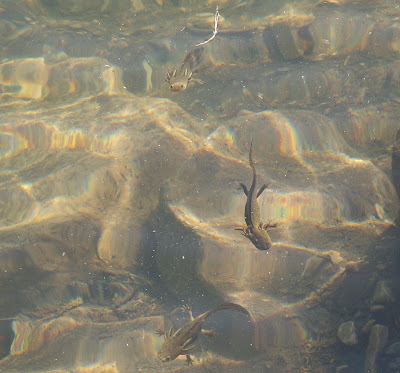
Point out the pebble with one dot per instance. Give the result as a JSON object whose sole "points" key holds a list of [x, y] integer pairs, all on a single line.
{"points": [[367, 327], [347, 333]]}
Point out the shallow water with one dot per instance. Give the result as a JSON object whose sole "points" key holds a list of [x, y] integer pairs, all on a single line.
{"points": [[119, 198]]}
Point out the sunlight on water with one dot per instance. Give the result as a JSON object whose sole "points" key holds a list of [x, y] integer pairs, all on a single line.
{"points": [[34, 79], [31, 337], [123, 199]]}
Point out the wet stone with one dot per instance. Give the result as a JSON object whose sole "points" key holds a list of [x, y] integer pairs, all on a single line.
{"points": [[347, 333]]}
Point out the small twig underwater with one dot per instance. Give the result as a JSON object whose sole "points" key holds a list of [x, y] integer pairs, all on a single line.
{"points": [[216, 18]]}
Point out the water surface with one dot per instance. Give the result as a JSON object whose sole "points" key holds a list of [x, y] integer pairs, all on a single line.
{"points": [[119, 198]]}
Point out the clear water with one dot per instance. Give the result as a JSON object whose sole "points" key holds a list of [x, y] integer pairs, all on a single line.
{"points": [[119, 198]]}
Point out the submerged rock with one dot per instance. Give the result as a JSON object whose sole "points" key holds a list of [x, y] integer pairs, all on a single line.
{"points": [[343, 369], [393, 349], [347, 333], [396, 163], [382, 294], [377, 341], [396, 169], [367, 327]]}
